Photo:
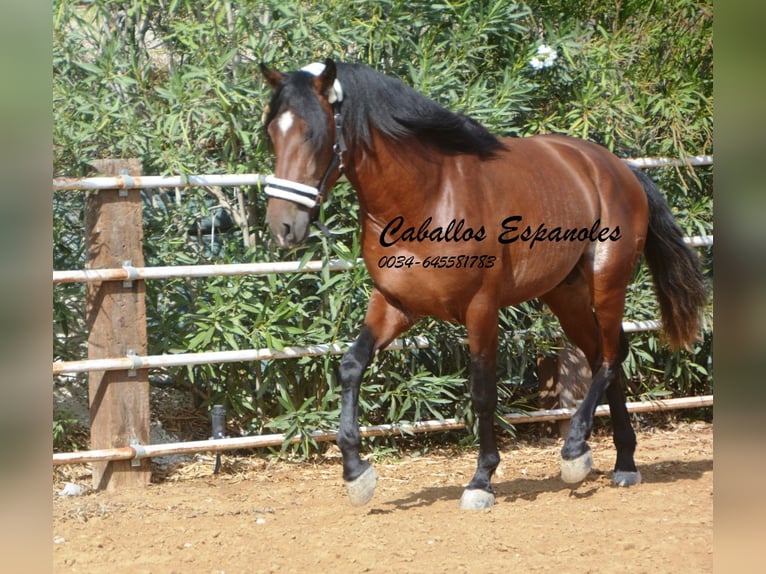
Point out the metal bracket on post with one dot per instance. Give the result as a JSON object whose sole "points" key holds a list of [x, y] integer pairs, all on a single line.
{"points": [[131, 354], [140, 452], [127, 265], [128, 183]]}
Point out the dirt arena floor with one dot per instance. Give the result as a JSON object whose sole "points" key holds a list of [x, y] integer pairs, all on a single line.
{"points": [[260, 515]]}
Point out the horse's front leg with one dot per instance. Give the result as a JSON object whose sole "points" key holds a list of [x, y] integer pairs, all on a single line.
{"points": [[382, 324], [360, 477], [482, 340]]}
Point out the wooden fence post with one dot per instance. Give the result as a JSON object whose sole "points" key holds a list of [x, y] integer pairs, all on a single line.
{"points": [[116, 320]]}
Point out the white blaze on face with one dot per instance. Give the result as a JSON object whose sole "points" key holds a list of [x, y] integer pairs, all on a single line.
{"points": [[285, 122]]}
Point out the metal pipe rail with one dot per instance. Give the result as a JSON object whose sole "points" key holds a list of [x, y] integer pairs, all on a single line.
{"points": [[152, 181], [134, 362], [644, 162], [130, 273], [137, 452], [224, 180]]}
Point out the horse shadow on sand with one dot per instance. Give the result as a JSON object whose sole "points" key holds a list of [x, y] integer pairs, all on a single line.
{"points": [[529, 489]]}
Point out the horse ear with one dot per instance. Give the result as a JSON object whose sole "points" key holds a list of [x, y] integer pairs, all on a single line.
{"points": [[326, 83], [272, 77]]}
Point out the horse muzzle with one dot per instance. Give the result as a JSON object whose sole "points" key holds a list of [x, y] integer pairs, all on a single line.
{"points": [[290, 229], [290, 219]]}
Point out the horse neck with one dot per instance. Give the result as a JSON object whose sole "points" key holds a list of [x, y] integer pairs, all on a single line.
{"points": [[393, 177]]}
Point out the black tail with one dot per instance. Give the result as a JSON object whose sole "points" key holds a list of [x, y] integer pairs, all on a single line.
{"points": [[675, 268]]}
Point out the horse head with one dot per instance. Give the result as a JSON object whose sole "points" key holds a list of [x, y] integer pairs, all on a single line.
{"points": [[303, 122]]}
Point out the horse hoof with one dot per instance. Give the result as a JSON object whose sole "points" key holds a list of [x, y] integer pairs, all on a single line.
{"points": [[361, 489], [575, 470], [476, 499], [626, 478]]}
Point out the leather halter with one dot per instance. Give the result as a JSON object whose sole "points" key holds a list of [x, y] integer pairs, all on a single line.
{"points": [[300, 193]]}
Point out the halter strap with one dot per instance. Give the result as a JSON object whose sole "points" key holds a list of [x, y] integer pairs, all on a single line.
{"points": [[338, 149]]}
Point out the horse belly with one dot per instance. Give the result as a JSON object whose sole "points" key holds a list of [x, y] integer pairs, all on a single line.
{"points": [[430, 289], [530, 272]]}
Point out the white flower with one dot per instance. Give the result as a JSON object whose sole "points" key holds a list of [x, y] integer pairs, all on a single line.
{"points": [[545, 58]]}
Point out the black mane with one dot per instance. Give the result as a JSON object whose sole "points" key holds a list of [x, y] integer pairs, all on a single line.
{"points": [[373, 100], [399, 112]]}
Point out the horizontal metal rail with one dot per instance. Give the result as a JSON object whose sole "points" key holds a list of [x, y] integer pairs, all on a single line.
{"points": [[224, 180], [152, 181], [699, 240], [261, 441], [130, 273], [643, 162], [134, 362]]}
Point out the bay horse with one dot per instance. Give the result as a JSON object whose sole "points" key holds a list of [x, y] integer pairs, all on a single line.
{"points": [[456, 224]]}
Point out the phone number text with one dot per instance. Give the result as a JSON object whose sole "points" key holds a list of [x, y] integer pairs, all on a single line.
{"points": [[437, 262]]}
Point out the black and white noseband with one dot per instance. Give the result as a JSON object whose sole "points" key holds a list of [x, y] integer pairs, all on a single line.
{"points": [[301, 193]]}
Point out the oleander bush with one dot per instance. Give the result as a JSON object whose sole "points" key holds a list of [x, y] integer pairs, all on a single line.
{"points": [[175, 83]]}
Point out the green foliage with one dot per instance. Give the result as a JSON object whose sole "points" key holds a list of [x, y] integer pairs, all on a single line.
{"points": [[175, 83], [67, 432]]}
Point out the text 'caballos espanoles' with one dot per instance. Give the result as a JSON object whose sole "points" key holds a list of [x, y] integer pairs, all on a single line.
{"points": [[512, 230]]}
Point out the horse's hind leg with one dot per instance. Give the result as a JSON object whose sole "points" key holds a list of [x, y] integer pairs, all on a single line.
{"points": [[599, 335], [481, 322], [382, 324], [572, 303], [576, 460], [610, 283], [625, 471]]}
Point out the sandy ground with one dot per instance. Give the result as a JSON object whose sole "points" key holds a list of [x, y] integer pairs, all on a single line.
{"points": [[259, 515]]}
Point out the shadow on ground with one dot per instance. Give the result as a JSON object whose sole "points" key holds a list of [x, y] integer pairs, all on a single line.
{"points": [[530, 489]]}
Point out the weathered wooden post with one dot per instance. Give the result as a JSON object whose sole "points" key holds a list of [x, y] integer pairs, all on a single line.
{"points": [[116, 319]]}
